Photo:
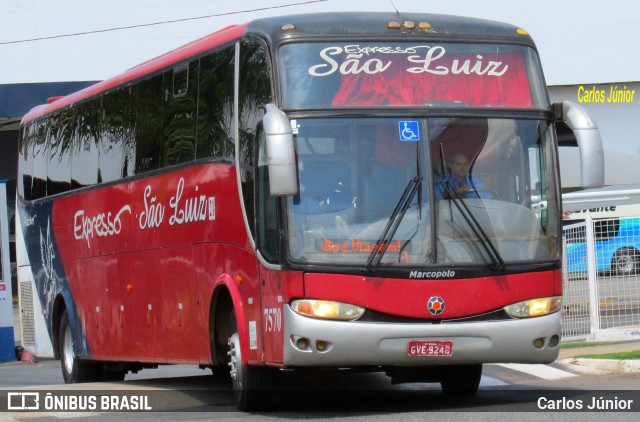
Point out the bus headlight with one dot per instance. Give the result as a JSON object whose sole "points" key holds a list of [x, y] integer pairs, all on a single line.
{"points": [[326, 309], [535, 307]]}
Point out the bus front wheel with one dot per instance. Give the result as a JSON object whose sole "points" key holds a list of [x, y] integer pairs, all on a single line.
{"points": [[626, 262], [74, 370], [252, 385], [461, 380]]}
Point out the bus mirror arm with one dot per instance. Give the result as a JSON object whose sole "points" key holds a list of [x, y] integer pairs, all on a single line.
{"points": [[281, 157], [589, 142]]}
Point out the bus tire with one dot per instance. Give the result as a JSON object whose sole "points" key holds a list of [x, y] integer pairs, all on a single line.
{"points": [[625, 261], [461, 380], [74, 370], [252, 385]]}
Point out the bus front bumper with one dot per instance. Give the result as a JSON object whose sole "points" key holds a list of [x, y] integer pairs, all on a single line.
{"points": [[353, 343]]}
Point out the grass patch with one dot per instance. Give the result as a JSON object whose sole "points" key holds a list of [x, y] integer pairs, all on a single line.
{"points": [[617, 356], [582, 344]]}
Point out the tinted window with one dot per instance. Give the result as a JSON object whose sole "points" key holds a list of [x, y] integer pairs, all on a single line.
{"points": [[148, 124], [24, 163], [267, 236], [180, 114], [118, 136], [215, 105], [39, 157], [61, 134], [255, 92], [84, 156]]}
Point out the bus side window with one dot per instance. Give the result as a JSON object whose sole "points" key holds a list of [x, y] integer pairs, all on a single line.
{"points": [[606, 229], [255, 92], [215, 105], [180, 114], [267, 233], [117, 135], [61, 134], [25, 164], [38, 152], [84, 156], [148, 126]]}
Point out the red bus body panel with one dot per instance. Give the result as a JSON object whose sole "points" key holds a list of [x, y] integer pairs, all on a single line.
{"points": [[143, 258], [408, 297]]}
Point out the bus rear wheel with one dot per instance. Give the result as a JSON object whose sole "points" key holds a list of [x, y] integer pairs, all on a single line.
{"points": [[74, 370], [461, 380], [252, 385]]}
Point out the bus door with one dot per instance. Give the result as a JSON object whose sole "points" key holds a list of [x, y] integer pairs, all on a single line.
{"points": [[272, 288]]}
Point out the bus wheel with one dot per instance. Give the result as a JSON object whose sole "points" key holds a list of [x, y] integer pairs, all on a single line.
{"points": [[74, 370], [461, 380], [251, 384], [625, 261]]}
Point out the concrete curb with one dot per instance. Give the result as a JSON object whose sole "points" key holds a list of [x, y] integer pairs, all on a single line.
{"points": [[608, 365]]}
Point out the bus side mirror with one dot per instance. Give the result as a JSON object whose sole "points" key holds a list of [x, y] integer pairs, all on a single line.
{"points": [[587, 136], [281, 157]]}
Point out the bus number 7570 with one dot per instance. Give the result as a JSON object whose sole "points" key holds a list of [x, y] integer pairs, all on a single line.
{"points": [[272, 319]]}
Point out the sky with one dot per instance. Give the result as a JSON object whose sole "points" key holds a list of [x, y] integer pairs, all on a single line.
{"points": [[586, 41]]}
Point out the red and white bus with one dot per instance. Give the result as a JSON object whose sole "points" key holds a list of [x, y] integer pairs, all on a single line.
{"points": [[281, 195]]}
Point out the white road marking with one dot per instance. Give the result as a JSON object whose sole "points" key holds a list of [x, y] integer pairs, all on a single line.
{"points": [[541, 371], [486, 381]]}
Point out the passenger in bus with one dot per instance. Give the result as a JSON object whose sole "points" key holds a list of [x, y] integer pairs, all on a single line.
{"points": [[458, 178]]}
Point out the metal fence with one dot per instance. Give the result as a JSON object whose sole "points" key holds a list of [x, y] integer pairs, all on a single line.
{"points": [[601, 279]]}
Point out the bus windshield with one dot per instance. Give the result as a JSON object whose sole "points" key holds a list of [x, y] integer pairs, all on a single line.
{"points": [[482, 184], [411, 74]]}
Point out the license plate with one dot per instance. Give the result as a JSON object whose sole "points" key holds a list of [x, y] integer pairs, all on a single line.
{"points": [[430, 348]]}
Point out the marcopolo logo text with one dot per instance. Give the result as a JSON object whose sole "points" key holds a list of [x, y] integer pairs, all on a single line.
{"points": [[432, 274]]}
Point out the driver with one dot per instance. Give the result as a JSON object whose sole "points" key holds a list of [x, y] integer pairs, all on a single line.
{"points": [[457, 174]]}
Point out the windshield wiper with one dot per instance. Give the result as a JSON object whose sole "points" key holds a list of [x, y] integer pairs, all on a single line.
{"points": [[472, 221], [393, 223]]}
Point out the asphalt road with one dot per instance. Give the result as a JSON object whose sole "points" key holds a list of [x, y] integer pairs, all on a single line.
{"points": [[187, 393]]}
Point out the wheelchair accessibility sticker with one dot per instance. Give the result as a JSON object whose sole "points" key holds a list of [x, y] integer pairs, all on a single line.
{"points": [[409, 130]]}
